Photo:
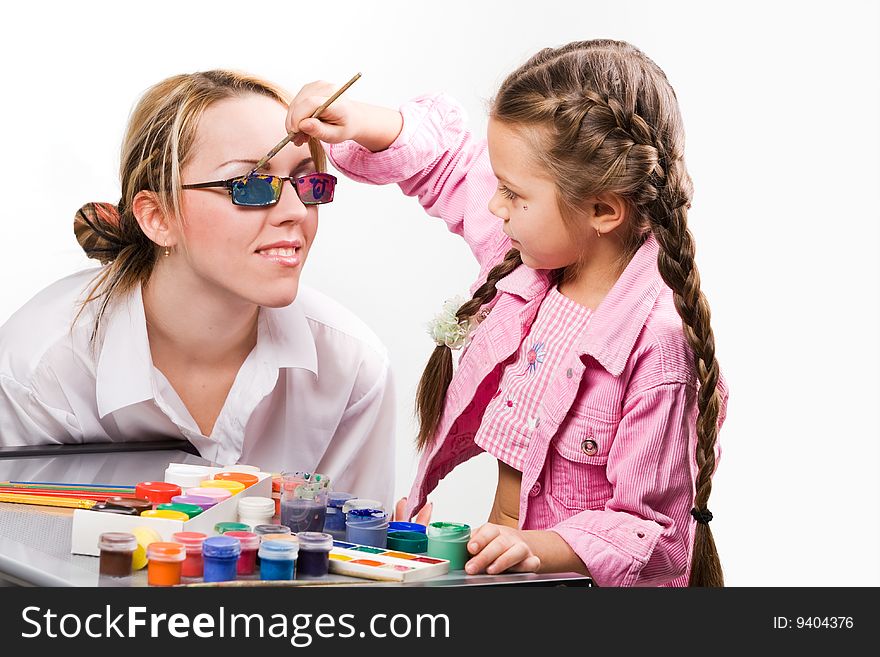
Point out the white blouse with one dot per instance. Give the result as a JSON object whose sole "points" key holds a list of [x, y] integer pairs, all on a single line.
{"points": [[314, 394]]}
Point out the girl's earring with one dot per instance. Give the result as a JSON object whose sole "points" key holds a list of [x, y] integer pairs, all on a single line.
{"points": [[525, 207], [167, 251], [598, 232]]}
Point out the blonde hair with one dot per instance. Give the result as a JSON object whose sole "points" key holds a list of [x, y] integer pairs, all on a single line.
{"points": [[158, 142]]}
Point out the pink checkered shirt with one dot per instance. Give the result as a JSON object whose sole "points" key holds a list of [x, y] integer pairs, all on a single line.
{"points": [[610, 464], [514, 412]]}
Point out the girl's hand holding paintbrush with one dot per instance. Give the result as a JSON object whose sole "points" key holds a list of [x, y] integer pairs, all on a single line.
{"points": [[373, 127]]}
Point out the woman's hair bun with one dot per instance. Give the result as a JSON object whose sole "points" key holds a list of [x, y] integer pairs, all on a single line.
{"points": [[96, 226]]}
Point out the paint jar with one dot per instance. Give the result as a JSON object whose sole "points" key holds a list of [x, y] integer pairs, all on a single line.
{"points": [[191, 510], [367, 527], [220, 556], [304, 501], [276, 493], [217, 494], [262, 530], [255, 511], [245, 478], [314, 554], [200, 501], [250, 543], [334, 522], [241, 467], [232, 486], [193, 566], [165, 563], [103, 507], [165, 513], [145, 537], [223, 527], [405, 527], [116, 549], [158, 492], [138, 504], [361, 503], [412, 542], [186, 477], [278, 560], [448, 540]]}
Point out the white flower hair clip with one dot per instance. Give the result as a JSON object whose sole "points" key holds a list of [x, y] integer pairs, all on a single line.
{"points": [[445, 329]]}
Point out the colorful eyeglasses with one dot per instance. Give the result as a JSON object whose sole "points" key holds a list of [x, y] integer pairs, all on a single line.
{"points": [[260, 190]]}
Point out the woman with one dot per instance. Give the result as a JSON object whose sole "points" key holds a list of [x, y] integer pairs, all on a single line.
{"points": [[196, 327]]}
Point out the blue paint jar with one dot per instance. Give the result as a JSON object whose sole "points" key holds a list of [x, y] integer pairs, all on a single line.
{"points": [[406, 527], [278, 559], [220, 557], [334, 522], [314, 554], [367, 527]]}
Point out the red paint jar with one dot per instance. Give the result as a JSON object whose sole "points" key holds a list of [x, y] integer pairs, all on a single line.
{"points": [[250, 543], [193, 565], [158, 492]]}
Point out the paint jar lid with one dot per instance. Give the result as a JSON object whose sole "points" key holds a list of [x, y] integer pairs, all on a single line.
{"points": [[405, 527], [279, 537], [117, 542], [156, 491], [245, 478], [240, 467], [217, 494], [221, 546], [248, 540], [256, 506], [199, 500], [160, 551], [361, 503], [271, 529], [185, 478], [232, 486], [191, 540], [123, 502], [103, 507], [191, 510], [223, 527], [338, 498], [407, 541], [278, 550], [314, 541], [449, 531], [165, 513]]}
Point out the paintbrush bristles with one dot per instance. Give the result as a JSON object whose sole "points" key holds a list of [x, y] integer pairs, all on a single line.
{"points": [[290, 135]]}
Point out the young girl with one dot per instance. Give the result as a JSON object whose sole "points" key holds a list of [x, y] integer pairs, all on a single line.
{"points": [[197, 327], [592, 375]]}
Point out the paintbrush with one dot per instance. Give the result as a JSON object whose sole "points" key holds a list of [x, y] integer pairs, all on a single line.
{"points": [[290, 135]]}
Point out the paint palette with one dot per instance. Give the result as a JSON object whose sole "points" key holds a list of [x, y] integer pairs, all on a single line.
{"points": [[384, 565]]}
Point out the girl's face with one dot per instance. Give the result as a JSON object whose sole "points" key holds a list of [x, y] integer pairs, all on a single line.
{"points": [[252, 254], [526, 201]]}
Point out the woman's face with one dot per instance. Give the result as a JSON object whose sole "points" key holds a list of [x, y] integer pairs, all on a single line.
{"points": [[254, 254]]}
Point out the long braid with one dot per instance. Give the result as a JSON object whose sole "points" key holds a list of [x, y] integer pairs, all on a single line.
{"points": [[431, 393]]}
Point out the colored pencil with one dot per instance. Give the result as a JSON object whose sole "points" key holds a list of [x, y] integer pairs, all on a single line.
{"points": [[64, 484], [45, 500], [74, 494]]}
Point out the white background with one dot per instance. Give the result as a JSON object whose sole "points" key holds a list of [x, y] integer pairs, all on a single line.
{"points": [[780, 102]]}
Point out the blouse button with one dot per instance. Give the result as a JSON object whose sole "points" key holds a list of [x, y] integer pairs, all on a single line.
{"points": [[569, 373], [589, 447], [535, 489]]}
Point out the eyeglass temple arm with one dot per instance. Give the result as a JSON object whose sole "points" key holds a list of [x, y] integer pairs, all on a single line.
{"points": [[215, 183]]}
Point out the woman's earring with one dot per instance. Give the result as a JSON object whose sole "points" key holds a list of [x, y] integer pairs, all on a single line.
{"points": [[525, 207], [598, 232], [167, 251]]}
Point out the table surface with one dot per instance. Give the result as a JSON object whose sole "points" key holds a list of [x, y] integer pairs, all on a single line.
{"points": [[35, 540]]}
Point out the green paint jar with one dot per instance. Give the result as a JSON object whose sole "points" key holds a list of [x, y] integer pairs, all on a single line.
{"points": [[448, 540], [405, 541], [192, 510]]}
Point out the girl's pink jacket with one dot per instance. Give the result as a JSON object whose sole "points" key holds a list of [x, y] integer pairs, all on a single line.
{"points": [[610, 464]]}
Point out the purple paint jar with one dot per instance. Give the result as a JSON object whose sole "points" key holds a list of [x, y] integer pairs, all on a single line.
{"points": [[314, 554], [304, 501], [198, 500], [367, 527]]}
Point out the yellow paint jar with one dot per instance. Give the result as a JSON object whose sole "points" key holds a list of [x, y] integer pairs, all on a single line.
{"points": [[165, 513], [232, 486]]}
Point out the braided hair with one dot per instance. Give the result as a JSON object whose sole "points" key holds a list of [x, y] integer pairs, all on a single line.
{"points": [[608, 121]]}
